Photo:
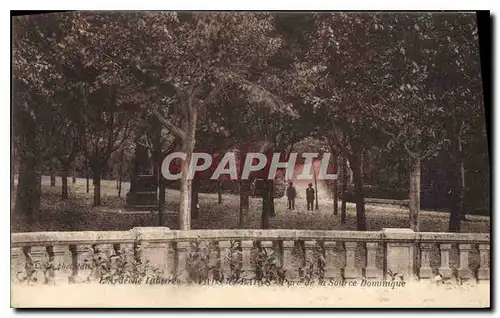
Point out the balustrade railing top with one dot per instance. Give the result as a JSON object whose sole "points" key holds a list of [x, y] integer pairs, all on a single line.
{"points": [[160, 233], [286, 254]]}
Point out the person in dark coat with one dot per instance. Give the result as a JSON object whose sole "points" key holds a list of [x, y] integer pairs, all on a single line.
{"points": [[310, 197], [291, 193]]}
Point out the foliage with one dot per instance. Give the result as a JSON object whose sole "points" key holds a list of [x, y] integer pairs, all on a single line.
{"points": [[268, 269], [197, 262], [125, 263]]}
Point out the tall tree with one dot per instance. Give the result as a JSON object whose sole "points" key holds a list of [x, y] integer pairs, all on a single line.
{"points": [[34, 67]]}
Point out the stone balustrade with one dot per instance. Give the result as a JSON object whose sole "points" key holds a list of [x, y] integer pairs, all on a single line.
{"points": [[197, 255]]}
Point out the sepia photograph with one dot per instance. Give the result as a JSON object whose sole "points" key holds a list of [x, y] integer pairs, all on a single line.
{"points": [[250, 159]]}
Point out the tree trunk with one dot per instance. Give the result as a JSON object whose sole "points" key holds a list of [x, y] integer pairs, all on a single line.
{"points": [[266, 204], [120, 185], [245, 188], [52, 176], [219, 192], [88, 186], [120, 173], [358, 194], [343, 207], [456, 171], [335, 188], [97, 185], [315, 186], [185, 196], [272, 210], [195, 187], [87, 172], [161, 202], [462, 188], [28, 189], [415, 194], [456, 195], [65, 183], [362, 165]]}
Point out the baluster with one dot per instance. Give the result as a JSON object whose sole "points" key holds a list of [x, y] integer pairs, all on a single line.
{"points": [[309, 252], [288, 260], [81, 262], [445, 269], [331, 270], [310, 259], [37, 258], [464, 270], [350, 270], [483, 272], [17, 261], [213, 261], [371, 270], [425, 270], [62, 262], [182, 272], [246, 254], [225, 256]]}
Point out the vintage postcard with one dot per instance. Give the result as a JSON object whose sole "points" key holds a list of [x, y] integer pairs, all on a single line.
{"points": [[250, 159]]}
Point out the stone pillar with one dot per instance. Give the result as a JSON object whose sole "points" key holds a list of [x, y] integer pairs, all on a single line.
{"points": [[17, 261], [371, 270], [288, 260], [182, 249], [309, 252], [156, 249], [425, 270], [246, 259], [350, 270], [170, 269], [225, 257], [155, 254], [40, 259], [331, 270], [62, 263], [464, 270], [483, 272], [400, 252], [445, 269], [81, 262]]}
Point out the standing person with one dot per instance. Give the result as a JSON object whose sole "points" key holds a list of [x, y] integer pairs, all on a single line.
{"points": [[291, 193], [310, 197]]}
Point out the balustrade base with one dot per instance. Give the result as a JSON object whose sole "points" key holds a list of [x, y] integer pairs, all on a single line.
{"points": [[425, 273], [446, 272], [372, 273], [483, 274]]}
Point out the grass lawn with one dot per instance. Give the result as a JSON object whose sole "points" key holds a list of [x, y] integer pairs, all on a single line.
{"points": [[78, 214]]}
